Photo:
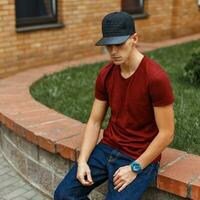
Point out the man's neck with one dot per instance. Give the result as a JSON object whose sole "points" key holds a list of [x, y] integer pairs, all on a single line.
{"points": [[132, 63]]}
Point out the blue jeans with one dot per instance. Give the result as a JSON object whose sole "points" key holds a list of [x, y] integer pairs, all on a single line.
{"points": [[103, 162]]}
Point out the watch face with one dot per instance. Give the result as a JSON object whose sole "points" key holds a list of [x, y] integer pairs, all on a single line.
{"points": [[136, 167]]}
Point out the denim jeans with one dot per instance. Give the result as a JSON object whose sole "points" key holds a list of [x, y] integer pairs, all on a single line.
{"points": [[103, 162]]}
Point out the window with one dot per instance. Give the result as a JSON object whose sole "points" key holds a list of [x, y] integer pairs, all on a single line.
{"points": [[134, 7], [35, 12]]}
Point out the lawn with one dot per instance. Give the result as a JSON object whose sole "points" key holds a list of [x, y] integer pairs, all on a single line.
{"points": [[71, 92]]}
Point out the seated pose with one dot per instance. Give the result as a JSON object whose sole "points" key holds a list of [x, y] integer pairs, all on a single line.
{"points": [[140, 127]]}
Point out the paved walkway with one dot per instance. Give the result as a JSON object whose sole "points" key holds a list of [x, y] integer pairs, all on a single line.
{"points": [[13, 187]]}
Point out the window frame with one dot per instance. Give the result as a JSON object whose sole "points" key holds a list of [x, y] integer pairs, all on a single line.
{"points": [[136, 15], [32, 21]]}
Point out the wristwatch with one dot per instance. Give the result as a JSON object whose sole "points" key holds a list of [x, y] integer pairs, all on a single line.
{"points": [[136, 167]]}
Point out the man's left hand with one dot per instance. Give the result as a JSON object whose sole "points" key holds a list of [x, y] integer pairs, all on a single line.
{"points": [[123, 177]]}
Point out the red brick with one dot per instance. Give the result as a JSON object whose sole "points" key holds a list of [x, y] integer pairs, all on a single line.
{"points": [[7, 121], [19, 96], [196, 189], [70, 148], [38, 117], [19, 129], [49, 134], [20, 106], [67, 148], [178, 175], [170, 155]]}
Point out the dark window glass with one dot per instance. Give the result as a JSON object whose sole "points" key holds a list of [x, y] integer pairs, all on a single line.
{"points": [[133, 6], [33, 12]]}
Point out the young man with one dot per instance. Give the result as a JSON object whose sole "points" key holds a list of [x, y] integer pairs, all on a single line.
{"points": [[141, 125]]}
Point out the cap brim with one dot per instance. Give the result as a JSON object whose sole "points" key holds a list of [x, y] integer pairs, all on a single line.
{"points": [[112, 40]]}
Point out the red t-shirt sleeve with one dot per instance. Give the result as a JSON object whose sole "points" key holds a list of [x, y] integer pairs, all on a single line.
{"points": [[100, 90], [160, 90]]}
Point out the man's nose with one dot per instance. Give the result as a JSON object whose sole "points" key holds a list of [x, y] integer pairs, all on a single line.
{"points": [[113, 49]]}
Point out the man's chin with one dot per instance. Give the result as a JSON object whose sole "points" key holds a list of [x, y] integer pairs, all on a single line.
{"points": [[117, 62]]}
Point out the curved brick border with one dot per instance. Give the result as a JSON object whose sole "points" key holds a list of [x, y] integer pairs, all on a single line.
{"points": [[61, 135]]}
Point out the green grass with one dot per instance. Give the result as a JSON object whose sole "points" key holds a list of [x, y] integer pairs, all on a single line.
{"points": [[71, 92]]}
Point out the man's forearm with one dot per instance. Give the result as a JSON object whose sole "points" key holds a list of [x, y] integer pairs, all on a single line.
{"points": [[160, 142], [89, 141], [164, 117]]}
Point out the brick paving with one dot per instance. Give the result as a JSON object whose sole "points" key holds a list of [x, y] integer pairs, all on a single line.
{"points": [[13, 187]]}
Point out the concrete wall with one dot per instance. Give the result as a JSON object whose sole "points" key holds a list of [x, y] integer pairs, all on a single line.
{"points": [[82, 27]]}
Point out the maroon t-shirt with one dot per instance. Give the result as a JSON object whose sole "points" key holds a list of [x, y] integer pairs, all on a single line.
{"points": [[132, 125]]}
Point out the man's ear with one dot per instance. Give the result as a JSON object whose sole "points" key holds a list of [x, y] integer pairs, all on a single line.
{"points": [[135, 38]]}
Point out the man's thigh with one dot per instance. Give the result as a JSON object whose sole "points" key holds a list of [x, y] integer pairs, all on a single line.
{"points": [[70, 188], [136, 189]]}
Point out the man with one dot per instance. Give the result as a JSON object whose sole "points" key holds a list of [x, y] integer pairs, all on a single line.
{"points": [[141, 125]]}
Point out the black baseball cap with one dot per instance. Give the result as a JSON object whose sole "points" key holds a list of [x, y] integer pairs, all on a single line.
{"points": [[117, 27]]}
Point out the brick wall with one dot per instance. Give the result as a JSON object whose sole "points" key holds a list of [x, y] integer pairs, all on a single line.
{"points": [[185, 18], [19, 51]]}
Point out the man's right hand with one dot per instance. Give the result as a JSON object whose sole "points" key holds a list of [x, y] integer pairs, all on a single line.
{"points": [[84, 174]]}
